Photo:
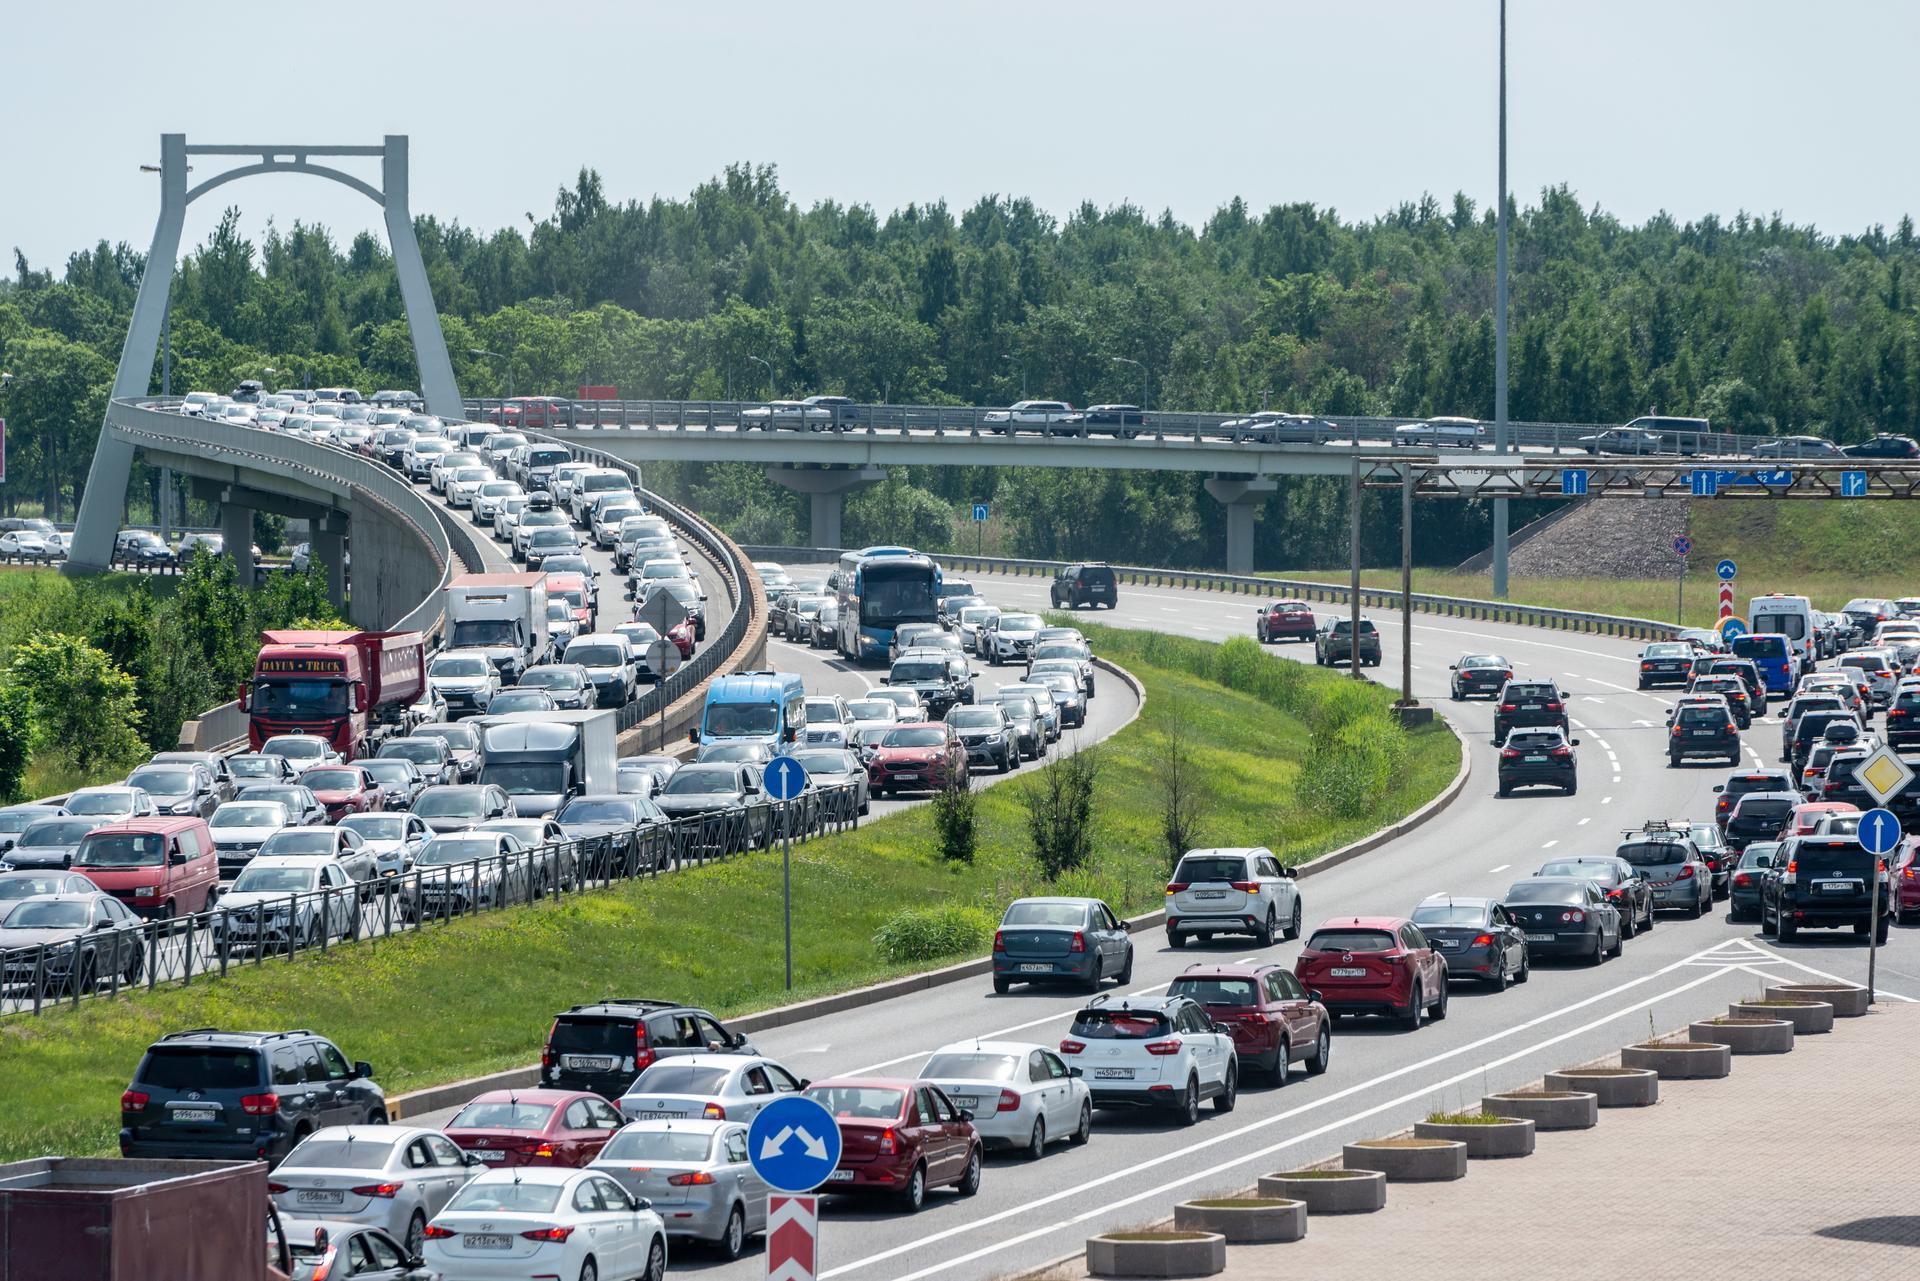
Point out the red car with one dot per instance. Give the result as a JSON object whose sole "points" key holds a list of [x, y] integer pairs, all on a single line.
{"points": [[1275, 1024], [900, 1137], [1906, 882], [535, 1127], [918, 757], [1290, 620], [1374, 965], [344, 790], [573, 588], [681, 634], [533, 411]]}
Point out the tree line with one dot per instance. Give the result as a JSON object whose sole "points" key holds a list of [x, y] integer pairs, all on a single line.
{"points": [[1761, 325]]}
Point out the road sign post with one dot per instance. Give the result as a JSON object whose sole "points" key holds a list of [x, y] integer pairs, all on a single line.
{"points": [[793, 1145], [1726, 569], [1879, 835], [1682, 547], [785, 778], [980, 512]]}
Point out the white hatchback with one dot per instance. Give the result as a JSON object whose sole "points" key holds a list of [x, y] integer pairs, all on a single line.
{"points": [[1160, 1052]]}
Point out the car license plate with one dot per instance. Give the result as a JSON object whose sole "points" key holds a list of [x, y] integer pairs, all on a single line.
{"points": [[1703, 733], [587, 1063], [315, 1196], [1113, 1074], [1449, 944], [191, 1114], [1539, 938], [840, 1176], [655, 1116], [486, 1241], [1535, 759], [486, 1155], [965, 1101], [1354, 972], [1837, 887], [906, 778], [1036, 969]]}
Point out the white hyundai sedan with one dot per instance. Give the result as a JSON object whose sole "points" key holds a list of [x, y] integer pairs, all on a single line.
{"points": [[547, 1221], [1022, 1096], [391, 1177], [711, 1087]]}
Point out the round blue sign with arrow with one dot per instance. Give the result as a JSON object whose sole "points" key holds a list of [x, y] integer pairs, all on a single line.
{"points": [[1879, 832], [785, 778], [1727, 570], [794, 1144]]}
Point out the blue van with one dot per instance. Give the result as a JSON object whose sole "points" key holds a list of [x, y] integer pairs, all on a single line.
{"points": [[1770, 653], [753, 707]]}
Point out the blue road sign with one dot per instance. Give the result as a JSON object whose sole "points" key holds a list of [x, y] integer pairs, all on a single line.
{"points": [[1682, 545], [979, 511], [1705, 483], [1731, 628], [1879, 832], [1853, 484], [1726, 569], [785, 778], [1573, 482], [1774, 479], [794, 1143]]}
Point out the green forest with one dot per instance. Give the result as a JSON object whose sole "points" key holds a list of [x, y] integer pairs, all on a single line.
{"points": [[1760, 325]]}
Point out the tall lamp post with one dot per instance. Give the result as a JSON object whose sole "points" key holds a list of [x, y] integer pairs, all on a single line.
{"points": [[768, 366], [505, 364], [1501, 443], [1122, 360]]}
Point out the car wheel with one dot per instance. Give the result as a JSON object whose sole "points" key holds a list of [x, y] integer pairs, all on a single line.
{"points": [[1037, 1140], [1440, 1005], [1526, 969], [1093, 981], [1083, 1131], [1699, 908], [733, 1239], [1500, 978], [1627, 928], [589, 1271], [1002, 986], [416, 1233], [914, 1195], [1503, 790], [1126, 971], [1176, 940], [1269, 928], [1229, 1092], [656, 1262], [1322, 1053], [1411, 1015], [1190, 1103], [1282, 1064], [1293, 922], [1599, 951]]}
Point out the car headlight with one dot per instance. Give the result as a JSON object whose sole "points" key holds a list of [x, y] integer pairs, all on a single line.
{"points": [[144, 891]]}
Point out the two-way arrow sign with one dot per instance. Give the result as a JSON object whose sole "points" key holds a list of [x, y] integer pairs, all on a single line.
{"points": [[774, 1144]]}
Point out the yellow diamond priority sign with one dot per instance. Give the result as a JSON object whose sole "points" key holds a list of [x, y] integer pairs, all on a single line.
{"points": [[1884, 775]]}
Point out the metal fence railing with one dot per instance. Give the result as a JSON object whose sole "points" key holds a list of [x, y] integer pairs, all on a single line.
{"points": [[211, 943]]}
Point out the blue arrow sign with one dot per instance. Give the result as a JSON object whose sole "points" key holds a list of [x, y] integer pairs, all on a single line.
{"points": [[1879, 832], [1705, 484], [794, 1143], [1774, 479], [1853, 484], [1726, 569], [1732, 628], [785, 778], [979, 511], [1573, 482]]}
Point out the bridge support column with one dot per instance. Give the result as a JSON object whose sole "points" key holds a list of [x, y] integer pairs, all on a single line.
{"points": [[330, 546], [236, 531], [1241, 496], [827, 489]]}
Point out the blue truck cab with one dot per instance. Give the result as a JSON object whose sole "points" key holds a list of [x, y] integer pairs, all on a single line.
{"points": [[753, 707]]}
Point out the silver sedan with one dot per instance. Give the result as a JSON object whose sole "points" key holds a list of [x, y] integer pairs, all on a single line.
{"points": [[394, 1178], [697, 1176], [836, 767], [716, 1087], [1022, 1096]]}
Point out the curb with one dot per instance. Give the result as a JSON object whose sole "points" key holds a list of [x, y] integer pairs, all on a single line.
{"points": [[1373, 841]]}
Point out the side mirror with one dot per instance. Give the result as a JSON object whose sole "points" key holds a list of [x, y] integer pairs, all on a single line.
{"points": [[885, 680], [966, 1114], [471, 1159], [1074, 1072], [362, 1070], [1574, 741], [176, 858], [1289, 873], [642, 1203], [1719, 787]]}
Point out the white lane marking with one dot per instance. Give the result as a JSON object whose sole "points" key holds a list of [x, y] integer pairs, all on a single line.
{"points": [[1424, 1091], [1877, 989], [1503, 867], [1583, 822], [1644, 724], [1607, 800], [1594, 698], [1550, 844]]}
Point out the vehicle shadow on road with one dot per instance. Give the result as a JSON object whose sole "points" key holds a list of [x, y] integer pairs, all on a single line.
{"points": [[1887, 1229]]}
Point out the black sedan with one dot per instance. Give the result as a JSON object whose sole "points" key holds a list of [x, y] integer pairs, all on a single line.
{"points": [[1539, 758], [1625, 886], [1666, 663], [1565, 916], [1478, 938], [1744, 889], [1484, 675]]}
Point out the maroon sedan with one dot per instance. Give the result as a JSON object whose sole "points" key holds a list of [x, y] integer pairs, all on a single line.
{"points": [[918, 757], [1374, 965], [899, 1137], [1275, 1024], [1288, 620], [532, 411], [344, 790], [535, 1127]]}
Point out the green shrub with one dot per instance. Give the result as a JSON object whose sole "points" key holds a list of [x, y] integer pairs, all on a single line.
{"points": [[1352, 769], [930, 933], [955, 811]]}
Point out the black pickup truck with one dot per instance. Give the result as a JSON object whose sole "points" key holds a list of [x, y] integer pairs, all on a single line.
{"points": [[1822, 882]]}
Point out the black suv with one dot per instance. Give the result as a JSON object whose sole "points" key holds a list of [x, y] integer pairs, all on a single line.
{"points": [[1703, 729], [1759, 780], [604, 1045], [1811, 728], [1332, 644], [1747, 670], [942, 680], [1528, 705], [1089, 584], [1903, 718], [1538, 758], [242, 1096], [1821, 882]]}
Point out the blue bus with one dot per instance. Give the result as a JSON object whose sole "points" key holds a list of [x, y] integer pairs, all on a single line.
{"points": [[880, 588], [1772, 655]]}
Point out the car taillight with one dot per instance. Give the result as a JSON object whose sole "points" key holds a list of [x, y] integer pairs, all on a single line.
{"points": [[1685, 873], [1506, 707], [1174, 887], [642, 1052], [275, 1189], [546, 1051], [1615, 893], [544, 1151], [1164, 1048], [1072, 1047], [1245, 887], [713, 1112], [1482, 940], [1553, 707], [888, 1143], [999, 941], [548, 1234], [259, 1104], [698, 1178], [1509, 753], [1009, 1101], [1575, 917], [435, 1232], [1742, 878], [134, 1101], [1561, 752], [1676, 731], [377, 1189], [1079, 943], [1646, 667]]}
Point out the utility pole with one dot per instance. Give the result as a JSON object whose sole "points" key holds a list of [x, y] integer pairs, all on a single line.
{"points": [[1353, 551], [165, 514], [1500, 431]]}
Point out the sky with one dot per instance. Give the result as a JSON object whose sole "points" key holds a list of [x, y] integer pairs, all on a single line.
{"points": [[1688, 106]]}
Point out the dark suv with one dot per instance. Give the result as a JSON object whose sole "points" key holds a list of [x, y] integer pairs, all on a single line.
{"points": [[1332, 644], [242, 1096], [603, 1046], [1703, 729], [1090, 584], [1821, 882], [1903, 718], [1738, 785], [1526, 704], [1538, 758]]}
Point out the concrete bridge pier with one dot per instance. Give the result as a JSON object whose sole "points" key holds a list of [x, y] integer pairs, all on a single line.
{"points": [[1241, 496], [827, 489], [236, 532], [330, 548]]}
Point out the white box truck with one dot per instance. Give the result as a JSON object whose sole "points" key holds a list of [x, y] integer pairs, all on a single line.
{"points": [[504, 615], [542, 758]]}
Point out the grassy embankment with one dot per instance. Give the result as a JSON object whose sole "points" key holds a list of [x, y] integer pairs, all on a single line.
{"points": [[477, 996]]}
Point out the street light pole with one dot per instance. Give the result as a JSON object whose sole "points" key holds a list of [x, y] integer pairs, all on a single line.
{"points": [[1122, 360], [505, 363], [1500, 430], [768, 366]]}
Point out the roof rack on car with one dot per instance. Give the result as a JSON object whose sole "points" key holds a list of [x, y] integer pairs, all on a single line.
{"points": [[638, 1002], [192, 1031]]}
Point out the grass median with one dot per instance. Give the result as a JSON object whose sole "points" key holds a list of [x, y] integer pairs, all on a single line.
{"points": [[477, 995]]}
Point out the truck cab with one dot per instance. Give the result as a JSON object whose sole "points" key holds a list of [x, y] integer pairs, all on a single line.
{"points": [[753, 707], [334, 685], [503, 616], [543, 759]]}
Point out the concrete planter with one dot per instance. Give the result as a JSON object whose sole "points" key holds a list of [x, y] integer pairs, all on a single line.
{"points": [[1611, 1087], [1747, 1036], [1409, 1160], [1847, 1000], [1330, 1191], [1547, 1109], [1680, 1060], [1489, 1141], [1157, 1254], [1807, 1017], [1244, 1220]]}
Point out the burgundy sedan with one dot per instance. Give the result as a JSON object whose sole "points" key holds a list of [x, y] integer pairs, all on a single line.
{"points": [[535, 1127], [344, 790], [917, 758], [899, 1137]]}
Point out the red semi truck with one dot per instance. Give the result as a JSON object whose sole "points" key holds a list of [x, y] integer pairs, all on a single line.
{"points": [[337, 685]]}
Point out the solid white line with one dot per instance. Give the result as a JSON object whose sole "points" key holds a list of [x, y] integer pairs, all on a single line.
{"points": [[1503, 867], [1550, 844]]}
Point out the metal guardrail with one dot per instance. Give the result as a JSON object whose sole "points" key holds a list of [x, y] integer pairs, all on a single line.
{"points": [[1566, 620], [211, 943]]}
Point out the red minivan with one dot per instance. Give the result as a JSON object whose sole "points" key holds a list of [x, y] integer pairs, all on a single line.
{"points": [[159, 867]]}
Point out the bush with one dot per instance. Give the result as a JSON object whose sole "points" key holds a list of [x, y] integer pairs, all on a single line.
{"points": [[85, 707], [1351, 769], [954, 812], [17, 735], [1059, 807], [930, 933]]}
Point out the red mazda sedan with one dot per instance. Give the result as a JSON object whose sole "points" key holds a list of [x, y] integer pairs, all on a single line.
{"points": [[900, 1137], [344, 790], [1374, 965], [535, 1127], [918, 758]]}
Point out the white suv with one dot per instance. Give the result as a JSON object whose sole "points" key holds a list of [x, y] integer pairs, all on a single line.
{"points": [[1153, 1052], [829, 722], [1009, 638], [1232, 891]]}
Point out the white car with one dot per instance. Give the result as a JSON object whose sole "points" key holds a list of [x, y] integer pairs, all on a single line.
{"points": [[608, 517], [1152, 1052], [28, 544], [912, 708], [115, 801], [1232, 891], [971, 620], [463, 484], [446, 464], [713, 1087], [394, 838], [240, 828], [872, 712], [590, 486], [1032, 413], [829, 723], [395, 1178], [506, 516], [278, 897], [546, 1221], [487, 499], [561, 480], [1009, 638], [785, 413], [421, 456], [1022, 1096], [1441, 433], [464, 679], [302, 751]]}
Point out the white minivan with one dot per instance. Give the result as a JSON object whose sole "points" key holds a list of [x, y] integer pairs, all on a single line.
{"points": [[1788, 616]]}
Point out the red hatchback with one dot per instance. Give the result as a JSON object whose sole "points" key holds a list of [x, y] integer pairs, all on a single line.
{"points": [[1906, 882], [1288, 620], [900, 1137], [1275, 1024], [344, 790], [917, 758], [535, 1127], [1374, 965]]}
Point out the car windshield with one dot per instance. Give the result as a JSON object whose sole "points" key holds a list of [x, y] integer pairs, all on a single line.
{"points": [[973, 1066], [595, 655], [1120, 1025], [1669, 649], [695, 780], [1351, 940], [443, 851], [56, 831], [1759, 854], [874, 1102], [974, 718], [1766, 810], [191, 1067], [47, 914], [873, 709], [1020, 623], [670, 1077], [121, 849], [679, 1147], [822, 713], [552, 678], [17, 820], [1449, 914], [507, 1198], [1071, 916], [376, 827], [332, 780], [452, 802], [249, 814], [18, 885], [1604, 873], [419, 751], [301, 841], [459, 665], [1211, 869], [825, 762], [387, 771], [505, 1114], [914, 672], [255, 879], [914, 738], [98, 803], [586, 811], [1651, 853], [1545, 891], [325, 1152], [1534, 739], [162, 782]]}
